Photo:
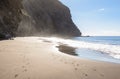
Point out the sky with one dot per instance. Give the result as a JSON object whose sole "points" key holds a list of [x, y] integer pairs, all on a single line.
{"points": [[96, 17]]}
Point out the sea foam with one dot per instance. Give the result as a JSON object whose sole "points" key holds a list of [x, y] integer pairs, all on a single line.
{"points": [[111, 50]]}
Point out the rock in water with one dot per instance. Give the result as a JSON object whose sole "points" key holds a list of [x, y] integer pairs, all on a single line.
{"points": [[36, 17]]}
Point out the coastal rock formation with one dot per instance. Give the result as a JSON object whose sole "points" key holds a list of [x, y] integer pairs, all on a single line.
{"points": [[36, 17], [10, 16]]}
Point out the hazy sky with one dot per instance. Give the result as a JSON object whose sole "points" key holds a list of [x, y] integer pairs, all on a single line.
{"points": [[96, 17]]}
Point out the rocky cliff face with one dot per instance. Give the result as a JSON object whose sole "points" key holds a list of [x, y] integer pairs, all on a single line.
{"points": [[10, 16], [36, 17]]}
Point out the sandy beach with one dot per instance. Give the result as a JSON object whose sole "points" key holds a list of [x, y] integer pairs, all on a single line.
{"points": [[34, 58]]}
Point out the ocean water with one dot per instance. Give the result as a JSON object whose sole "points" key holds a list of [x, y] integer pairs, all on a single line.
{"points": [[102, 48]]}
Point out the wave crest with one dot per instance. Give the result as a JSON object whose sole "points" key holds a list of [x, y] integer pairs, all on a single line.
{"points": [[112, 50]]}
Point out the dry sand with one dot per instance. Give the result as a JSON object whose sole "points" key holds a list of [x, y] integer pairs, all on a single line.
{"points": [[30, 59]]}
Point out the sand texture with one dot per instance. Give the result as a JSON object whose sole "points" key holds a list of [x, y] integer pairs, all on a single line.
{"points": [[30, 59]]}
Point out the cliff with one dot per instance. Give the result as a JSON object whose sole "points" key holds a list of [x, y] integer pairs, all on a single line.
{"points": [[36, 17]]}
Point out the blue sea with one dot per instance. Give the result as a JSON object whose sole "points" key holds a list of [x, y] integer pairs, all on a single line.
{"points": [[101, 48]]}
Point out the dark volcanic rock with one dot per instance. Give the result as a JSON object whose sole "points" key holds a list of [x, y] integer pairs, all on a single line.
{"points": [[36, 17], [10, 16]]}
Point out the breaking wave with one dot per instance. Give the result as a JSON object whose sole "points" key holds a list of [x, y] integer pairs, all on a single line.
{"points": [[111, 50]]}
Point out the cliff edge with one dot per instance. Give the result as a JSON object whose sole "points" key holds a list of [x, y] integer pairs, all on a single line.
{"points": [[36, 17]]}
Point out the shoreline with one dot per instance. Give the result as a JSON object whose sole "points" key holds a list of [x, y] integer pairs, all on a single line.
{"points": [[64, 48], [31, 58]]}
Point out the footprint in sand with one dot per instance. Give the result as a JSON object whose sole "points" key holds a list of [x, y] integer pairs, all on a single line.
{"points": [[23, 66], [77, 65], [28, 78], [25, 70], [102, 75], [85, 74], [72, 63], [76, 68], [94, 70], [16, 75]]}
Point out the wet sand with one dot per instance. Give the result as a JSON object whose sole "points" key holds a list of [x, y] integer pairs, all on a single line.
{"points": [[27, 58], [67, 49]]}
